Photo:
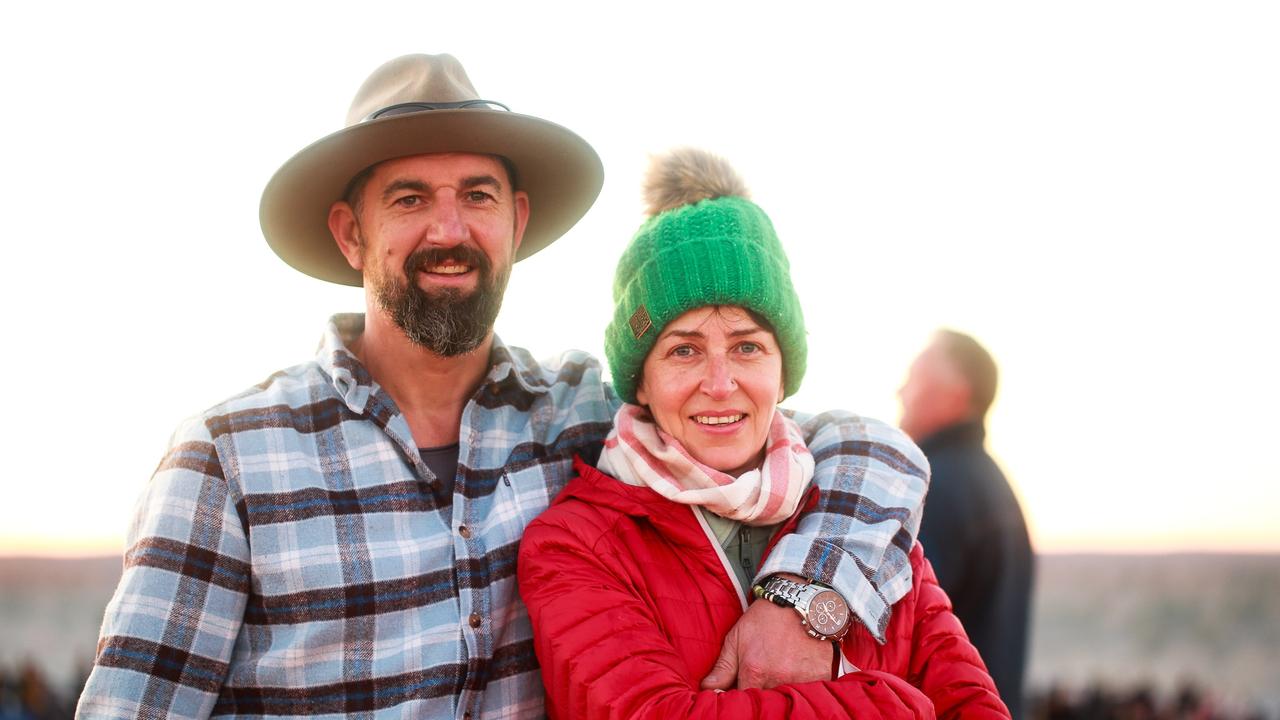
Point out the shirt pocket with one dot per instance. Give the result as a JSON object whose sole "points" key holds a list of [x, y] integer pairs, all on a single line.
{"points": [[525, 490]]}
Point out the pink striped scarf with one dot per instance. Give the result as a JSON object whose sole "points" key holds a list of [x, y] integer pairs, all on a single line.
{"points": [[638, 452]]}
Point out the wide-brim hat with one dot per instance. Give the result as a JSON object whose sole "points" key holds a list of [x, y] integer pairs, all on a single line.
{"points": [[413, 105]]}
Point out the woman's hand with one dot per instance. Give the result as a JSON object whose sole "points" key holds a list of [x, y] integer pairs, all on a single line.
{"points": [[768, 647]]}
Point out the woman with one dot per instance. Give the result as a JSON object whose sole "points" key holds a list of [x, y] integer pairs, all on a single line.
{"points": [[626, 576]]}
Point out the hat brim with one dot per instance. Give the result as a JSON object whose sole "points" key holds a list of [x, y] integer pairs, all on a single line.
{"points": [[558, 169]]}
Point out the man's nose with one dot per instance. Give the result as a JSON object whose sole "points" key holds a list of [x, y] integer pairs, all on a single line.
{"points": [[718, 382], [445, 227]]}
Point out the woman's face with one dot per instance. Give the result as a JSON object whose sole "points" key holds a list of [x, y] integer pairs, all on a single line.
{"points": [[711, 382]]}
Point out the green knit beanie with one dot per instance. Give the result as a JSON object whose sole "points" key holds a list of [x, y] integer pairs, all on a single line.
{"points": [[704, 244]]}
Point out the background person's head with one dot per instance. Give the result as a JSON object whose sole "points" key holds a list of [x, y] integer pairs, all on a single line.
{"points": [[707, 330], [952, 380]]}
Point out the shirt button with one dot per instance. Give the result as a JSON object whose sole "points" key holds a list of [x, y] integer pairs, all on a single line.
{"points": [[474, 620], [465, 532]]}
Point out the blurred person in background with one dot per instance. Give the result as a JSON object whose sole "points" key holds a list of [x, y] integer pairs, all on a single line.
{"points": [[973, 530], [28, 695]]}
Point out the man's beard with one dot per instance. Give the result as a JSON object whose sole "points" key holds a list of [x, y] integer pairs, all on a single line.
{"points": [[447, 322]]}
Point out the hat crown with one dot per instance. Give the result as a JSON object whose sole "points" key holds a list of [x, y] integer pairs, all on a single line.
{"points": [[412, 78]]}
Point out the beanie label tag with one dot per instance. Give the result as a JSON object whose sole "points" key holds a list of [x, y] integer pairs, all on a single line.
{"points": [[640, 322]]}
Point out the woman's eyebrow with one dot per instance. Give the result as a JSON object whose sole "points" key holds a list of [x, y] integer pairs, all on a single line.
{"points": [[699, 334]]}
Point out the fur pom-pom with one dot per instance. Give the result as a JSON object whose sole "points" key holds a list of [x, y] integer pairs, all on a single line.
{"points": [[686, 175]]}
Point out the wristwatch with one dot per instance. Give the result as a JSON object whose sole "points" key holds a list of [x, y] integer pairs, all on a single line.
{"points": [[823, 612]]}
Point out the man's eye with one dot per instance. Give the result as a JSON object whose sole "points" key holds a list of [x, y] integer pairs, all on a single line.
{"points": [[409, 201], [478, 196]]}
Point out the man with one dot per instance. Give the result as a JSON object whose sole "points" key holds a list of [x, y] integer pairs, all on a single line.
{"points": [[973, 533], [341, 538]]}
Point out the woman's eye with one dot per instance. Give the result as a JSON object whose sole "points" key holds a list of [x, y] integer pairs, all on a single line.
{"points": [[749, 347], [682, 351]]}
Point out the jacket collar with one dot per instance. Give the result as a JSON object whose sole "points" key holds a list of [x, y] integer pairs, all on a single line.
{"points": [[971, 432], [677, 523], [595, 487]]}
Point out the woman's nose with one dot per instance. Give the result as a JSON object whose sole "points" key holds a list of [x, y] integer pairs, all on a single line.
{"points": [[718, 380]]}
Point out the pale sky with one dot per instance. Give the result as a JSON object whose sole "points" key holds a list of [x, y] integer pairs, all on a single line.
{"points": [[1090, 188]]}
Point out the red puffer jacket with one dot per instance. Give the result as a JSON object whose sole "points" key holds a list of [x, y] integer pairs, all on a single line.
{"points": [[630, 601]]}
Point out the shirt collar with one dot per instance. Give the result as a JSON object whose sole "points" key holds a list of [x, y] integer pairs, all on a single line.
{"points": [[516, 366], [350, 379], [510, 369]]}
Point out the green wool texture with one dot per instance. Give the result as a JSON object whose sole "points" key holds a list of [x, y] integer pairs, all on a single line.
{"points": [[722, 251]]}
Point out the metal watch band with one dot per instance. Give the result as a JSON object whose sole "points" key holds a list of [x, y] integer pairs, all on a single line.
{"points": [[779, 591], [788, 593]]}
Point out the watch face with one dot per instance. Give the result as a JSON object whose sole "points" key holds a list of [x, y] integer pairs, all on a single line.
{"points": [[827, 613]]}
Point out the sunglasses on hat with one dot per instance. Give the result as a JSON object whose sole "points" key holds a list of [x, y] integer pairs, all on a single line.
{"points": [[411, 107]]}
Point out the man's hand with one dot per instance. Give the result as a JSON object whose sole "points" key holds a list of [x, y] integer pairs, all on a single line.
{"points": [[766, 648]]}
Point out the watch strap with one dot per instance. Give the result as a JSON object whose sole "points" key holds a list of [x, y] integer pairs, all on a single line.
{"points": [[779, 591], [784, 592]]}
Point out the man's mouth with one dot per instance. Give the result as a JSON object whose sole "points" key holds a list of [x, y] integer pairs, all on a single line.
{"points": [[450, 269], [717, 419]]}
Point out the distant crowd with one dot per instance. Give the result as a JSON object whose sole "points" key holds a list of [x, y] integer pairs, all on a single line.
{"points": [[1141, 702], [27, 694]]}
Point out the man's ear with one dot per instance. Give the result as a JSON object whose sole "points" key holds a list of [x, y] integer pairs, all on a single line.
{"points": [[522, 217], [346, 232]]}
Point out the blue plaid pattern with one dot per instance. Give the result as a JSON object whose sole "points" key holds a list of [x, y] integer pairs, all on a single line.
{"points": [[288, 558]]}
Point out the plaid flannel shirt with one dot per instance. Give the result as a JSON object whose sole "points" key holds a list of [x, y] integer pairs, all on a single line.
{"points": [[288, 558]]}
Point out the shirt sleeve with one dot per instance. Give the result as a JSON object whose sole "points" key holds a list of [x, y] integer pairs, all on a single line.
{"points": [[871, 479], [604, 654], [170, 629]]}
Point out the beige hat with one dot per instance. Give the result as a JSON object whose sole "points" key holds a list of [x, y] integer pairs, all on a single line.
{"points": [[419, 104]]}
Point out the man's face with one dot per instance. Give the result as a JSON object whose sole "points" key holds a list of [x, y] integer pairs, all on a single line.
{"points": [[934, 396], [435, 237]]}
